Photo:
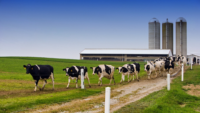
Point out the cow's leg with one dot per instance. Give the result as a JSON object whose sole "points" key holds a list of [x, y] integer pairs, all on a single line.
{"points": [[76, 82], [52, 79], [137, 75], [128, 77], [122, 79], [36, 85], [68, 82], [100, 79], [45, 81], [113, 79], [133, 76], [149, 77], [88, 79]]}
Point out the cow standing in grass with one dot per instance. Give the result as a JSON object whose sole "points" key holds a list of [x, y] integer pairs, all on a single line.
{"points": [[40, 72], [135, 69], [74, 72], [150, 68], [125, 71], [106, 71], [160, 66]]}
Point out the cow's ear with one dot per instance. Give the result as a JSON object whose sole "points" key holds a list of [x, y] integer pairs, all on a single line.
{"points": [[64, 69], [91, 67], [24, 66], [31, 67]]}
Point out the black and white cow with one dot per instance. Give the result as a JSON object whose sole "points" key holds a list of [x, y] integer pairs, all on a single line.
{"points": [[150, 68], [159, 65], [169, 64], [106, 71], [135, 69], [40, 72], [181, 59], [74, 72], [125, 71]]}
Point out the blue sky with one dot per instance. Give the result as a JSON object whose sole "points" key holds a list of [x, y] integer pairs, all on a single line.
{"points": [[63, 28]]}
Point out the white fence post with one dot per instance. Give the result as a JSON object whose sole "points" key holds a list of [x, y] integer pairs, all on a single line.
{"points": [[182, 72], [107, 100], [168, 82], [82, 79]]}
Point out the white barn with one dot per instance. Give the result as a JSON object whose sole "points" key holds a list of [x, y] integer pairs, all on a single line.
{"points": [[124, 54]]}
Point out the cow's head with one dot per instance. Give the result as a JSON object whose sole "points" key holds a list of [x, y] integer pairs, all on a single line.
{"points": [[96, 70], [28, 68], [66, 70], [147, 67], [124, 70], [119, 69]]}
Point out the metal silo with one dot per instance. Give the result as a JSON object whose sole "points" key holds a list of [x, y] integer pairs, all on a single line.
{"points": [[167, 36], [181, 36], [154, 34]]}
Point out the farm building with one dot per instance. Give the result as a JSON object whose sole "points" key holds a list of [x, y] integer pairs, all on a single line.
{"points": [[124, 54]]}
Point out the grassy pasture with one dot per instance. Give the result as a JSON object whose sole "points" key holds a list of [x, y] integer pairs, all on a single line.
{"points": [[16, 87], [174, 101]]}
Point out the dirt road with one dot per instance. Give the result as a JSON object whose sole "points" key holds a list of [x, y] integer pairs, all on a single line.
{"points": [[121, 96]]}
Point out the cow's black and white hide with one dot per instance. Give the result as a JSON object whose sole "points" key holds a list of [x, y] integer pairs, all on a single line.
{"points": [[125, 71], [159, 66], [135, 69], [150, 69], [181, 59], [103, 70], [169, 64], [160, 59], [40, 72], [74, 72]]}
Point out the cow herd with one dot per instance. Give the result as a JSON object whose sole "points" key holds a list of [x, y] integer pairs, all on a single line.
{"points": [[44, 72], [163, 65]]}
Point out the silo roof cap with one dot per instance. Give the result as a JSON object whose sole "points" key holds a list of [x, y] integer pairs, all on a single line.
{"points": [[181, 18], [154, 20]]}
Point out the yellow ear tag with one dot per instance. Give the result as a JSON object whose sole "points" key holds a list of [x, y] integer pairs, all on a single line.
{"points": [[31, 68], [117, 69], [24, 68], [71, 70]]}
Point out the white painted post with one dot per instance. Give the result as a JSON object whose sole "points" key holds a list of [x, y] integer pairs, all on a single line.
{"points": [[82, 79], [182, 72], [191, 63], [107, 100], [168, 82]]}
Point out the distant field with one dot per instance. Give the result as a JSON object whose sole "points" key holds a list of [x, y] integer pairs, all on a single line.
{"points": [[16, 87]]}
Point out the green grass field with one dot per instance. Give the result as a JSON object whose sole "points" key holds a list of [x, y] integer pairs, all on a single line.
{"points": [[174, 101], [16, 87]]}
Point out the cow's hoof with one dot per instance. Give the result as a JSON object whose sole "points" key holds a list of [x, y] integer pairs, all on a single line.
{"points": [[89, 85], [67, 87], [40, 89], [138, 80]]}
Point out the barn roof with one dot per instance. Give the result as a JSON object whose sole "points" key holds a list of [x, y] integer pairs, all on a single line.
{"points": [[128, 51]]}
